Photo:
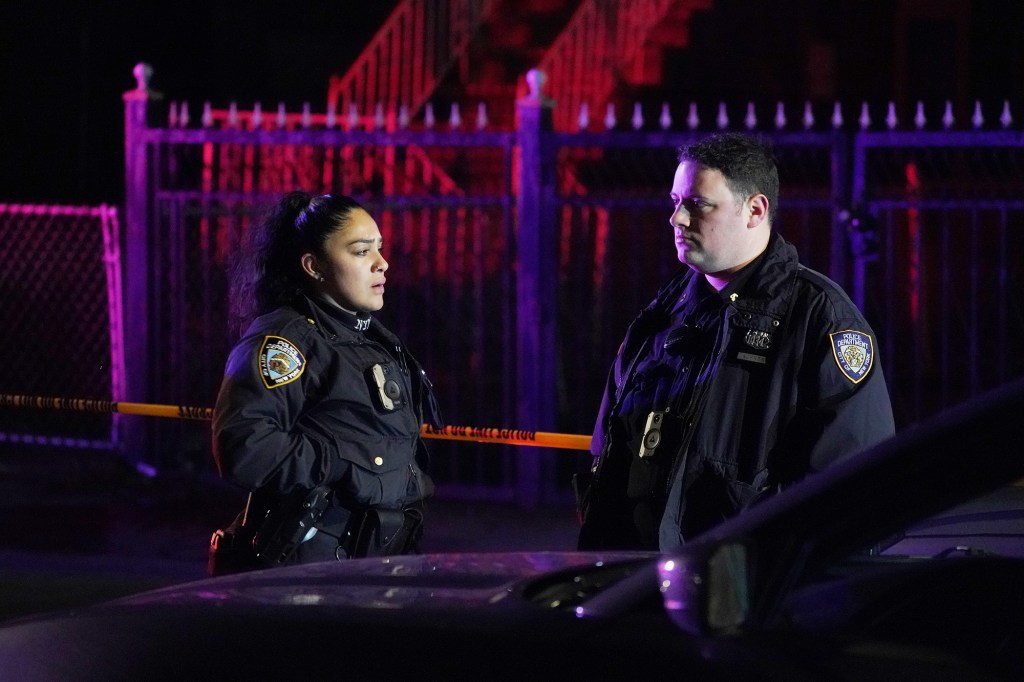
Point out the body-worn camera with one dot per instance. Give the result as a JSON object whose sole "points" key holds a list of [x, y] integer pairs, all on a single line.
{"points": [[384, 387], [652, 433]]}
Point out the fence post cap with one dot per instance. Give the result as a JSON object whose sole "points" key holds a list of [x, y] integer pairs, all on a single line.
{"points": [[535, 82], [143, 72]]}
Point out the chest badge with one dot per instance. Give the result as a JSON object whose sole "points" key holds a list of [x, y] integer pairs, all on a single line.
{"points": [[280, 362], [758, 339], [854, 352]]}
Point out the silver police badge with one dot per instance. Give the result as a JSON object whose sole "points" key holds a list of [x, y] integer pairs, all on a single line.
{"points": [[758, 339], [854, 352]]}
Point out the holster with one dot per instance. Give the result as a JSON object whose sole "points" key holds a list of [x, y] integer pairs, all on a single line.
{"points": [[287, 524], [263, 536]]}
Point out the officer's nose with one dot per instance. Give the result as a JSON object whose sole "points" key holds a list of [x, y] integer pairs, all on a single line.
{"points": [[680, 218], [382, 264]]}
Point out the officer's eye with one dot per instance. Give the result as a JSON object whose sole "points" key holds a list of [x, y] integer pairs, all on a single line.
{"points": [[695, 205]]}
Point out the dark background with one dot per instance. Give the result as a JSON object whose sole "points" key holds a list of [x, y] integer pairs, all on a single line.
{"points": [[65, 64]]}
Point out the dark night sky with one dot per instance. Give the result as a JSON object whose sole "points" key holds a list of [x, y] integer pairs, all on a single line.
{"points": [[65, 64]]}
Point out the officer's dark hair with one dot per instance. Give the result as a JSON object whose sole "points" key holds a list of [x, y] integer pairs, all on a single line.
{"points": [[268, 272], [748, 164]]}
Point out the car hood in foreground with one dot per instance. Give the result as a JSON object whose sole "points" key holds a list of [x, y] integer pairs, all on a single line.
{"points": [[429, 581]]}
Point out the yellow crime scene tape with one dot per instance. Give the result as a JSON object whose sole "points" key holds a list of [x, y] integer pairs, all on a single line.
{"points": [[476, 434]]}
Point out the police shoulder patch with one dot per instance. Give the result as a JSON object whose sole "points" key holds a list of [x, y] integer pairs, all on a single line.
{"points": [[854, 352], [280, 362]]}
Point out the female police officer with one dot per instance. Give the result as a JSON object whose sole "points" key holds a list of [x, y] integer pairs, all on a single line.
{"points": [[320, 409]]}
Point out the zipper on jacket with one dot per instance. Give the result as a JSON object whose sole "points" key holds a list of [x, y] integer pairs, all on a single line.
{"points": [[596, 467], [695, 408]]}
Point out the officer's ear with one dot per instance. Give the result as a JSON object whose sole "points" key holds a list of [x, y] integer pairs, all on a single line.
{"points": [[311, 266], [757, 210]]}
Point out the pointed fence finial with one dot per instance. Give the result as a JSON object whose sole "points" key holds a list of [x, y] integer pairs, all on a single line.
{"points": [[837, 116], [947, 116], [609, 117], [183, 117], [257, 116], [723, 116], [331, 117], [481, 115], [1005, 118], [403, 117], [919, 119], [890, 117], [172, 115], [808, 117], [353, 116], [750, 120], [665, 120], [638, 117], [207, 117], [428, 116], [282, 116], [455, 120], [584, 118], [865, 117], [692, 119], [307, 115], [378, 116], [232, 114], [780, 116], [977, 119]]}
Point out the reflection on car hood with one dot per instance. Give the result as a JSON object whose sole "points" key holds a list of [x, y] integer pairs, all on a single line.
{"points": [[415, 581]]}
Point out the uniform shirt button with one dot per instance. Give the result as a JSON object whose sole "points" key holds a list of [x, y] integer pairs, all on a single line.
{"points": [[378, 461]]}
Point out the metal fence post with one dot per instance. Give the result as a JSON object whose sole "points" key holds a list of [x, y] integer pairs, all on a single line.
{"points": [[536, 282], [138, 263]]}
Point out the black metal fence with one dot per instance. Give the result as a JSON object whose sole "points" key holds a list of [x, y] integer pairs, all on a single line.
{"points": [[519, 257]]}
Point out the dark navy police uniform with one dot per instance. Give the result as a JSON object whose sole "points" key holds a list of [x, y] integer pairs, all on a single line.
{"points": [[719, 398], [314, 396]]}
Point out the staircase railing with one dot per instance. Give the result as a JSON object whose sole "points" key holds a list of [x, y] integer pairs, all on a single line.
{"points": [[596, 47], [408, 57]]}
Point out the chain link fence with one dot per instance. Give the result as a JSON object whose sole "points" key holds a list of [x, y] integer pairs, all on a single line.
{"points": [[60, 306]]}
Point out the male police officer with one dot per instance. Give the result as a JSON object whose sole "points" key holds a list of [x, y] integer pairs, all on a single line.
{"points": [[747, 372]]}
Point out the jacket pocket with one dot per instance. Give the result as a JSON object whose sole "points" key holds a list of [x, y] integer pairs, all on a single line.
{"points": [[374, 473]]}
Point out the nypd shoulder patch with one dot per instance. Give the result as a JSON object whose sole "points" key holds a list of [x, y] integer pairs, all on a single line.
{"points": [[854, 352], [280, 362]]}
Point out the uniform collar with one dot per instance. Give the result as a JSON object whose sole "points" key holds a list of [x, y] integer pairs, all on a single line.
{"points": [[334, 320], [765, 284], [732, 290]]}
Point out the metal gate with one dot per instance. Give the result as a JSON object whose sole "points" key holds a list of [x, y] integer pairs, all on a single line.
{"points": [[519, 258]]}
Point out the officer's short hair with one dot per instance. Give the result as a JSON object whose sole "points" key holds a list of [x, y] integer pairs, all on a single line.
{"points": [[747, 162]]}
